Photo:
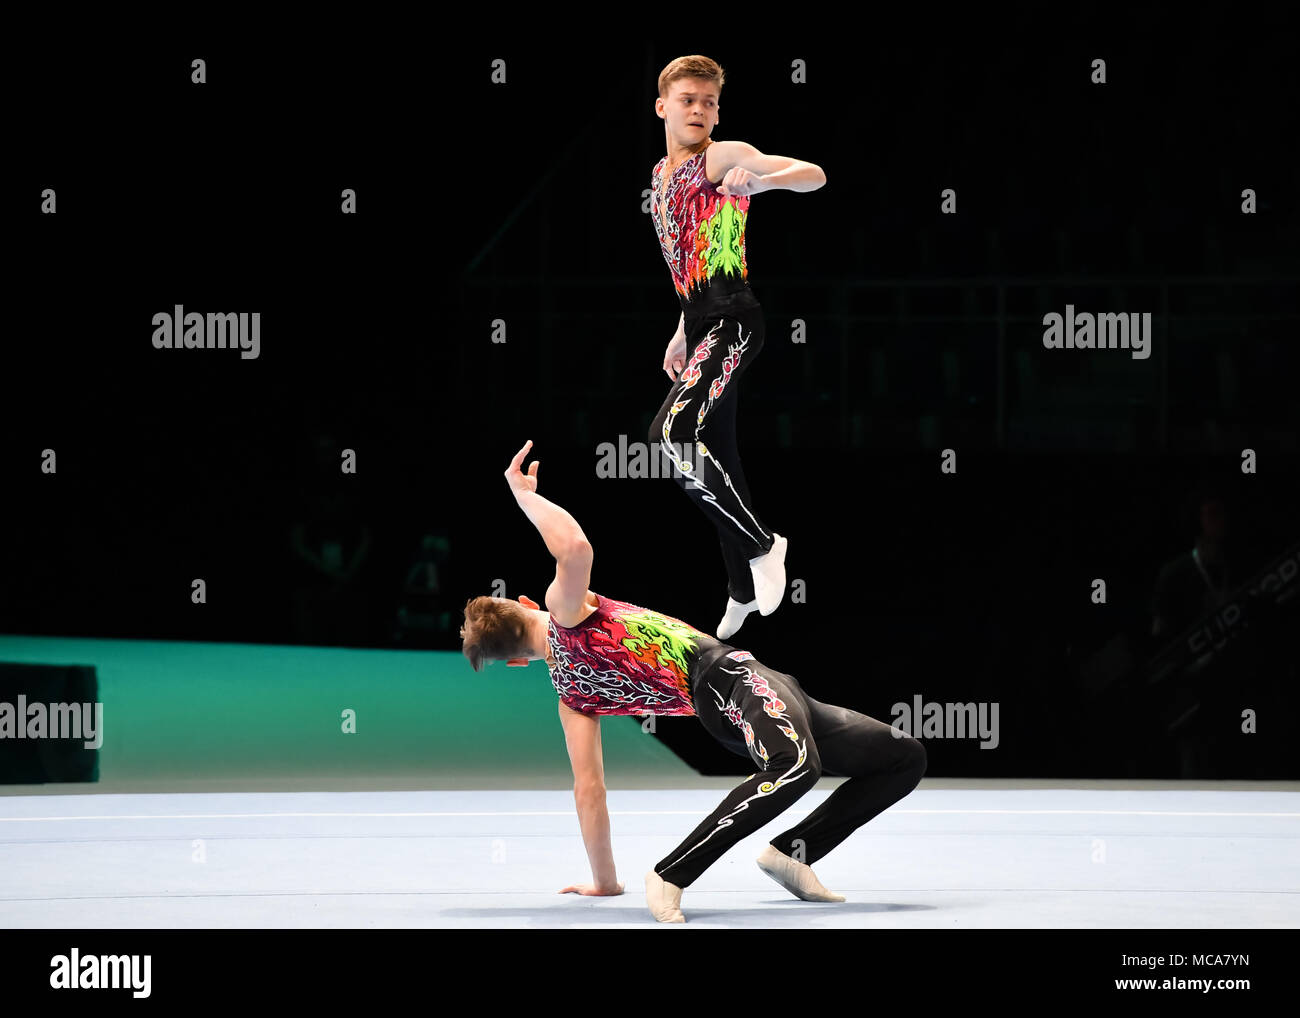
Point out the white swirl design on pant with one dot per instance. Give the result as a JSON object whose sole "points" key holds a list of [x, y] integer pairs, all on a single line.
{"points": [[774, 708], [691, 375]]}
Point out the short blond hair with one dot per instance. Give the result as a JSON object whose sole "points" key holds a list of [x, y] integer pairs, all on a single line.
{"points": [[694, 66]]}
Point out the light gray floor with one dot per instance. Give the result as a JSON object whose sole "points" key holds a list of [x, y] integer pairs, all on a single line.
{"points": [[990, 855]]}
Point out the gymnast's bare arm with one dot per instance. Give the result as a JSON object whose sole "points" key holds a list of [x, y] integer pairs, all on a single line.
{"points": [[582, 735], [564, 600], [746, 170], [564, 539]]}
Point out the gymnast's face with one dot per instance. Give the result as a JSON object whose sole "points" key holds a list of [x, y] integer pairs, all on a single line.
{"points": [[691, 109]]}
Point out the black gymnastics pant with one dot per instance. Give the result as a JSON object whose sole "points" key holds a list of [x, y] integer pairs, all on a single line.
{"points": [[696, 429], [761, 713]]}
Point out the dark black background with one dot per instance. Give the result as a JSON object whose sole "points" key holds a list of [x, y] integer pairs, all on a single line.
{"points": [[522, 202]]}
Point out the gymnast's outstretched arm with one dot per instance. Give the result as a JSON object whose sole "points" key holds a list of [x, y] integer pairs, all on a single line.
{"points": [[564, 540]]}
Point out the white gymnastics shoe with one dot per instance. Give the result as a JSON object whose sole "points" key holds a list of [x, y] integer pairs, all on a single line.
{"points": [[734, 617], [663, 898], [796, 877], [769, 576]]}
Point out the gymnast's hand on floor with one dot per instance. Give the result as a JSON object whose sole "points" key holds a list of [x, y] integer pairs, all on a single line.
{"points": [[675, 356], [592, 889]]}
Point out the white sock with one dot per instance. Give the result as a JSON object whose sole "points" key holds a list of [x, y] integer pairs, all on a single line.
{"points": [[734, 616], [769, 576]]}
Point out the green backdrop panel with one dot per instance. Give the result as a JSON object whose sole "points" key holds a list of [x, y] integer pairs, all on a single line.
{"points": [[253, 715]]}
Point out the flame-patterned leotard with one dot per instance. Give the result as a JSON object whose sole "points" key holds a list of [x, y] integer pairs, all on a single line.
{"points": [[625, 659], [702, 236]]}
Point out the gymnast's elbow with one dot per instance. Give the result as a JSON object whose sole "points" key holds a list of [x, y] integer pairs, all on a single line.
{"points": [[577, 550]]}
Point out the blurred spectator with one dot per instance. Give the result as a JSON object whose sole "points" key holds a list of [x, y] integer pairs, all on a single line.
{"points": [[1198, 580], [423, 615], [330, 544]]}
